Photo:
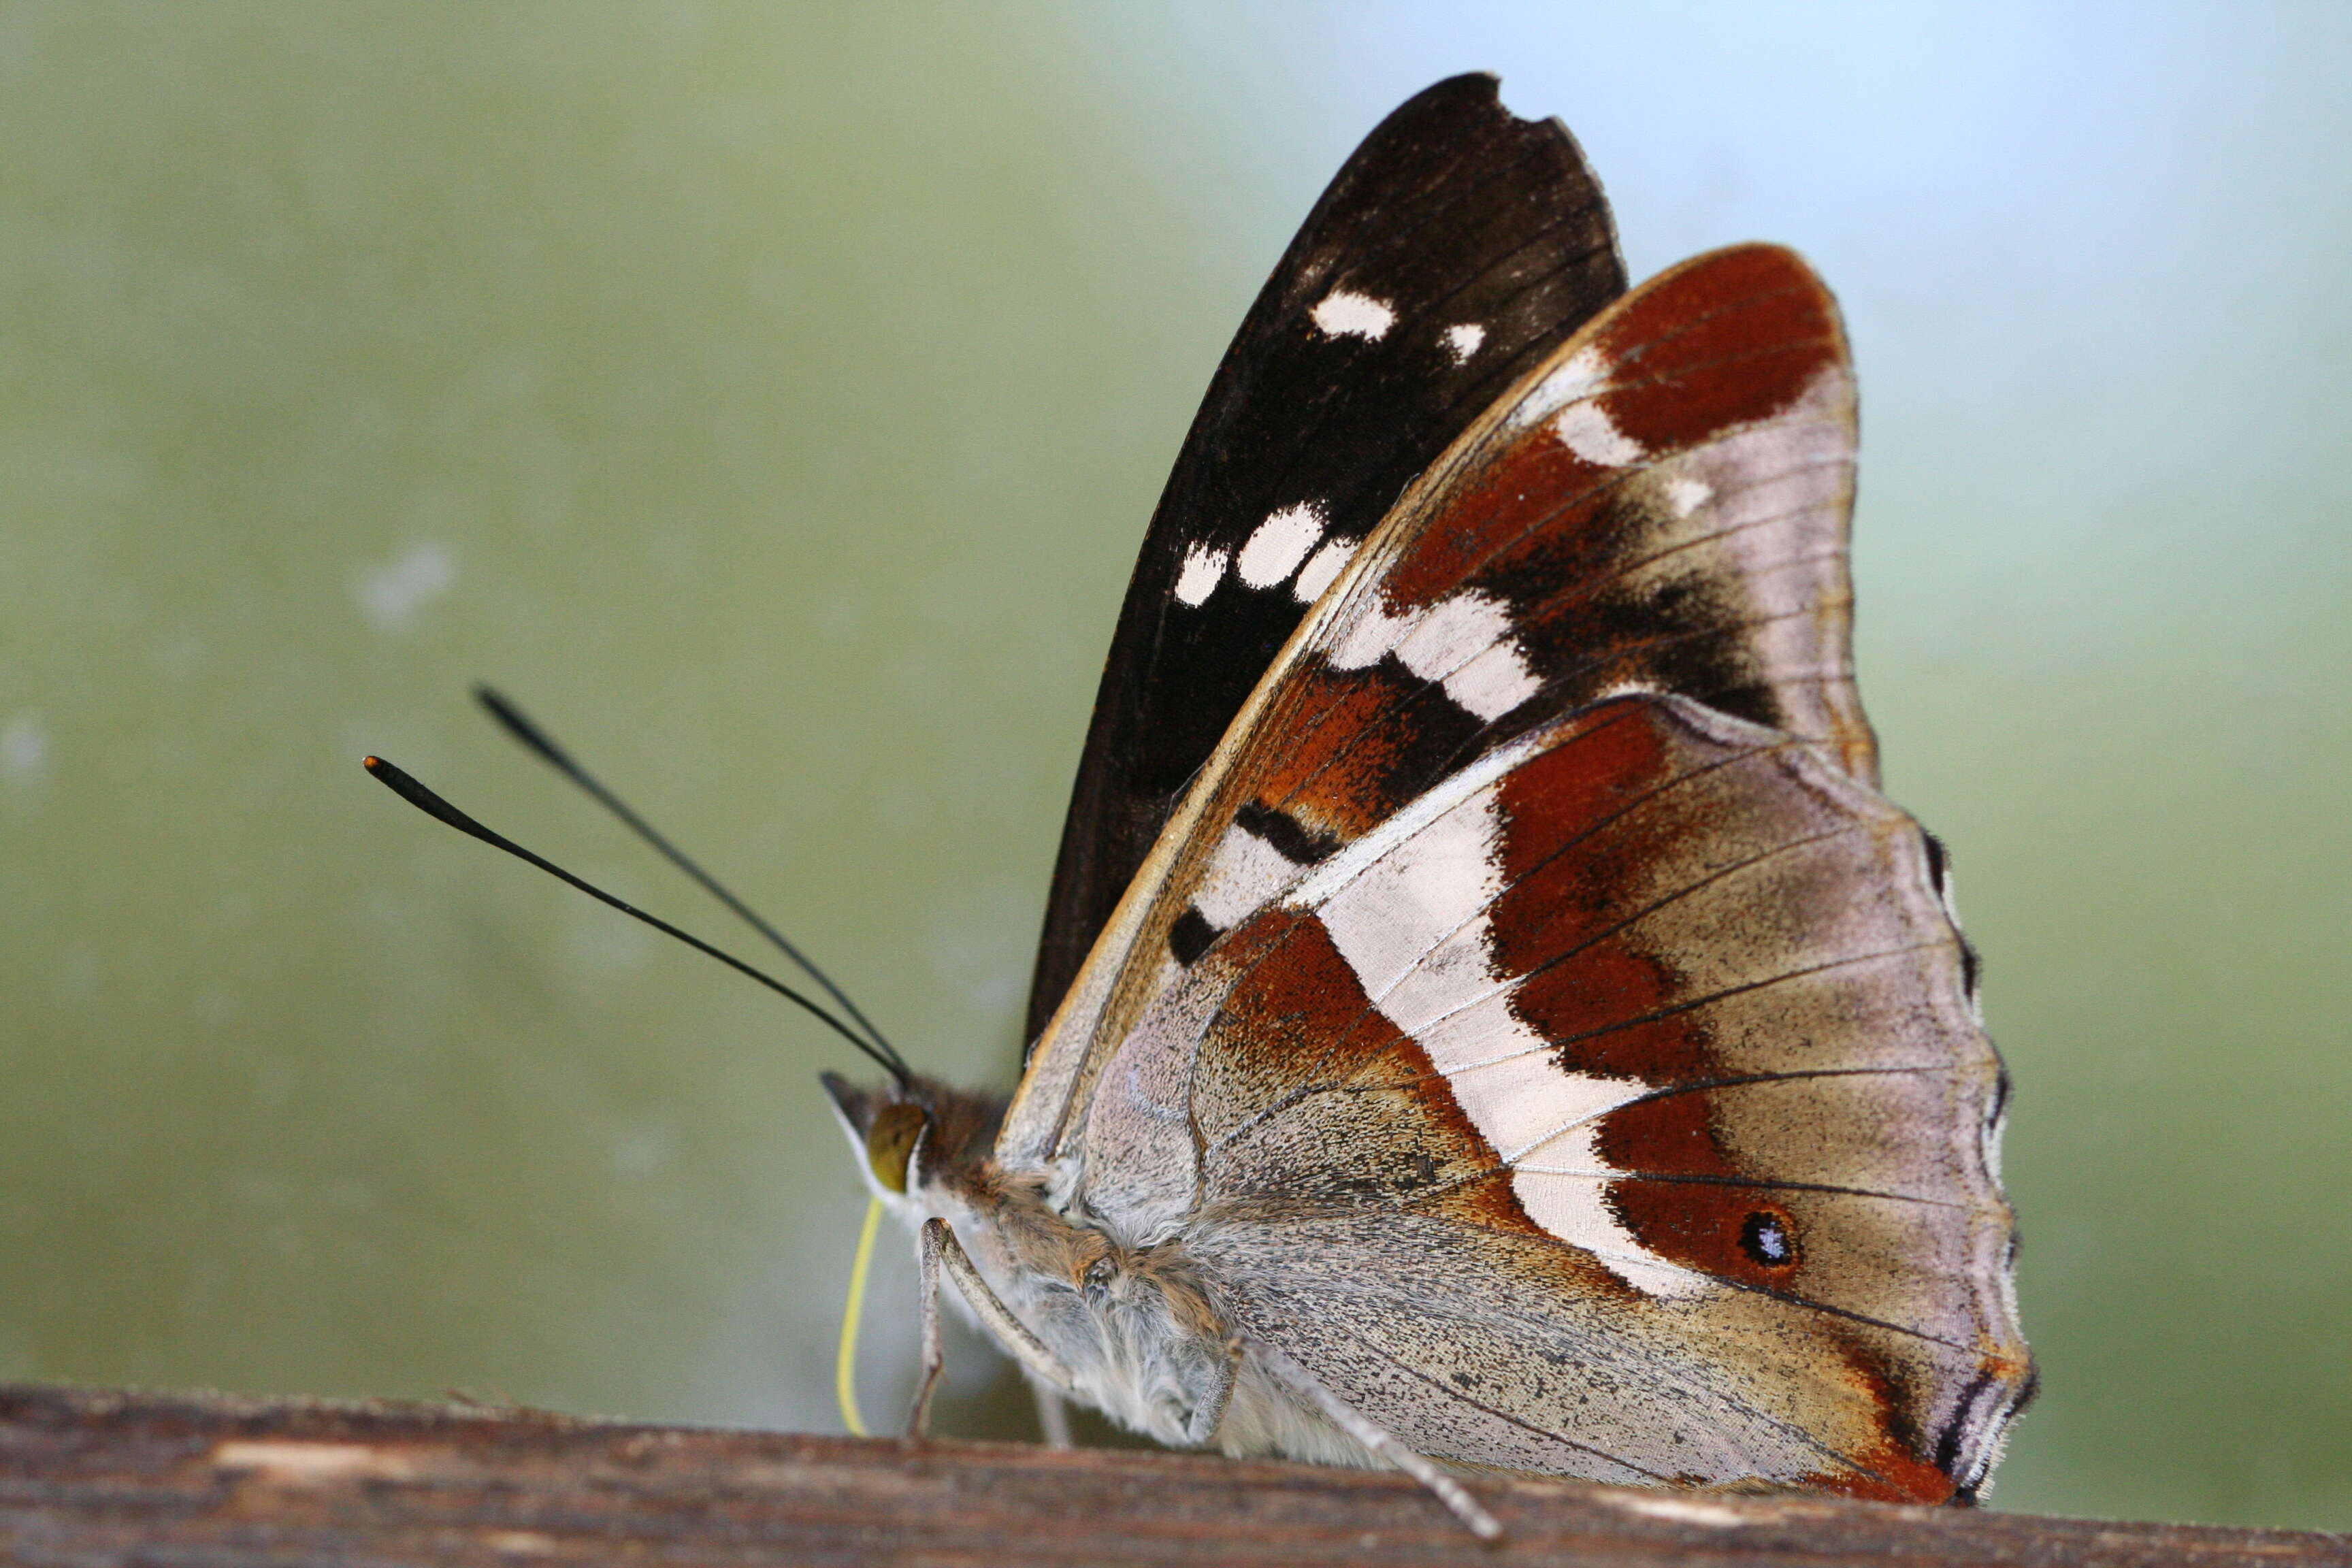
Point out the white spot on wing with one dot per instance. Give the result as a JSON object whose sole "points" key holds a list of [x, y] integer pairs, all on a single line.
{"points": [[1462, 341], [1280, 543], [1494, 683], [1450, 631], [1371, 635], [1347, 314], [1578, 376], [1244, 874], [1407, 906], [1586, 429], [1202, 567], [1322, 570], [1687, 495], [1407, 902], [1464, 642]]}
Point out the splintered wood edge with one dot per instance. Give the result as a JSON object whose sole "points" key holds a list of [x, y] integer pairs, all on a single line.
{"points": [[100, 1477]]}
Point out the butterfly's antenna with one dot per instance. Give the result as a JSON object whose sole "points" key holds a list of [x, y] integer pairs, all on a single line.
{"points": [[433, 805], [519, 725]]}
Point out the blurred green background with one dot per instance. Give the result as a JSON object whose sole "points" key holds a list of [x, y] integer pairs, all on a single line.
{"points": [[771, 398]]}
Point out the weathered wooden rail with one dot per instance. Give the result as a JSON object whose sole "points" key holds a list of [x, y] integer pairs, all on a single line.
{"points": [[91, 1480]]}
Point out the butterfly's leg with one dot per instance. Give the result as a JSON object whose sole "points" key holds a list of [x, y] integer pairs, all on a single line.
{"points": [[1053, 1414], [1201, 1426], [919, 1419], [1346, 1418], [942, 1251]]}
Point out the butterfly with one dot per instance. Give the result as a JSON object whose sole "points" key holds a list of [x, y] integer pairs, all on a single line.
{"points": [[1488, 1016]]}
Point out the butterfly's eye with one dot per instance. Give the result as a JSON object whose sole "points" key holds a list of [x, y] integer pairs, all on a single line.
{"points": [[1767, 1238], [890, 1142]]}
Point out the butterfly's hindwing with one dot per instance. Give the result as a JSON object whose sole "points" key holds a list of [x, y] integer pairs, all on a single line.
{"points": [[1655, 1016], [1458, 248]]}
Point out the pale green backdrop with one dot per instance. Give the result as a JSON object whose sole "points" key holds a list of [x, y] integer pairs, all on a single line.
{"points": [[772, 398]]}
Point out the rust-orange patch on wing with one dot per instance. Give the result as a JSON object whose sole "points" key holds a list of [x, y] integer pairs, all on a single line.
{"points": [[1362, 1115], [1575, 854], [1727, 340], [1698, 1222], [1299, 1013], [1335, 774], [1533, 486], [1618, 756]]}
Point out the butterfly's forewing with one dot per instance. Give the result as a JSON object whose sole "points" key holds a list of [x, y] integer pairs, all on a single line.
{"points": [[1535, 1021], [1662, 503], [1458, 248]]}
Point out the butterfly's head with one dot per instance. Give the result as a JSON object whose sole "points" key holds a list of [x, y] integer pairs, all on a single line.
{"points": [[915, 1134]]}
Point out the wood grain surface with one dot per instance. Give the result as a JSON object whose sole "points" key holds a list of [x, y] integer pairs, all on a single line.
{"points": [[95, 1477]]}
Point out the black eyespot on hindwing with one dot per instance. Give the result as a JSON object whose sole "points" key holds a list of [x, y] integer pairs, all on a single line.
{"points": [[1768, 1240]]}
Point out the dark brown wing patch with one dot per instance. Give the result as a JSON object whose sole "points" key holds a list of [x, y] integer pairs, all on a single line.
{"points": [[1455, 250]]}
